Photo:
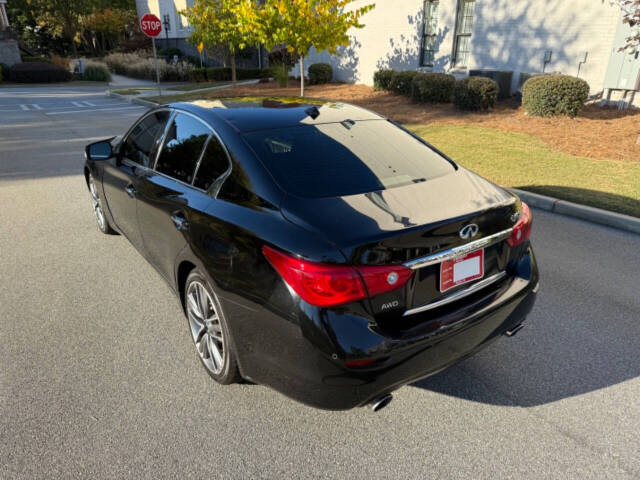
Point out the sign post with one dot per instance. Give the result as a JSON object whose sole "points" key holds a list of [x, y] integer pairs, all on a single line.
{"points": [[151, 26]]}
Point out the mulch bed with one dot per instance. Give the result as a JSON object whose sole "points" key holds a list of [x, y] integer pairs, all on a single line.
{"points": [[601, 133]]}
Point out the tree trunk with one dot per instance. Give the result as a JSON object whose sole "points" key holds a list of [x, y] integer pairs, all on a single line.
{"points": [[233, 68], [302, 75]]}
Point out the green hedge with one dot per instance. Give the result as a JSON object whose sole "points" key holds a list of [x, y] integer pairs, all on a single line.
{"points": [[169, 52], [4, 70], [549, 95], [401, 82], [320, 73], [96, 73], [432, 87], [29, 58], [38, 72], [475, 93], [223, 74], [198, 75], [382, 79]]}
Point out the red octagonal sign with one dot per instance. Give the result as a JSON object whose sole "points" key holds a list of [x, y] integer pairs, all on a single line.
{"points": [[150, 25]]}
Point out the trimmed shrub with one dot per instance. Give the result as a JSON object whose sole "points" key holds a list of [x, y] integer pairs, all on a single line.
{"points": [[432, 87], [475, 93], [37, 72], [96, 72], [282, 56], [320, 73], [401, 82], [223, 74], [550, 95], [29, 58], [198, 75], [0, 76], [382, 79], [4, 70]]}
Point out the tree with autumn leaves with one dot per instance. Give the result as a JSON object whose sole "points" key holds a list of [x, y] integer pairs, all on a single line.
{"points": [[296, 24]]}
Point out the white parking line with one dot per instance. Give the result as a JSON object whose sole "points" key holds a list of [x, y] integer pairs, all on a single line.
{"points": [[36, 106], [78, 104], [24, 107], [88, 104], [94, 110]]}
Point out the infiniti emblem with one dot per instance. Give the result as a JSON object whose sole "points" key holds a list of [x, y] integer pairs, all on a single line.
{"points": [[469, 231]]}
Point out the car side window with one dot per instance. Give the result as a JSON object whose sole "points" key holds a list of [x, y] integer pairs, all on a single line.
{"points": [[139, 147], [183, 145], [214, 163]]}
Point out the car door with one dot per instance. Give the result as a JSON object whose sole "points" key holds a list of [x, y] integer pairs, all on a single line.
{"points": [[121, 175], [168, 202]]}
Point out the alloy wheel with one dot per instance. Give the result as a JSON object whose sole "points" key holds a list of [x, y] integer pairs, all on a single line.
{"points": [[97, 205], [205, 326]]}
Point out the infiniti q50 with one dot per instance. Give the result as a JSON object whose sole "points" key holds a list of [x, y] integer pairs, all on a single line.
{"points": [[316, 247]]}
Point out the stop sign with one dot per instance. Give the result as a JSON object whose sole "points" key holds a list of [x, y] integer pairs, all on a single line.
{"points": [[150, 25]]}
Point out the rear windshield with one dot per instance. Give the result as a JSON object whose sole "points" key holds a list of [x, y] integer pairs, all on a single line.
{"points": [[336, 159]]}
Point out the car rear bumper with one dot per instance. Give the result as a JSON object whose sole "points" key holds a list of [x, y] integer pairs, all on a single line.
{"points": [[307, 360]]}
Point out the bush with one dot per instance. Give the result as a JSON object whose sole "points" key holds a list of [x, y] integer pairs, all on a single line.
{"points": [[401, 82], [63, 62], [550, 95], [475, 93], [137, 65], [198, 75], [223, 74], [29, 58], [432, 87], [96, 72], [4, 71], [382, 79], [0, 76], [320, 73], [38, 72]]}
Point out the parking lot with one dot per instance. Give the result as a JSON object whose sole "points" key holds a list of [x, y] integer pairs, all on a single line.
{"points": [[99, 378]]}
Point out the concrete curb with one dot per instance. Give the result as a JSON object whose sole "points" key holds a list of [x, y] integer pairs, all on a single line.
{"points": [[131, 99], [583, 212]]}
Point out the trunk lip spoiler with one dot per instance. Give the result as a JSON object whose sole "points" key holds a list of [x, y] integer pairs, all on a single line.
{"points": [[458, 251]]}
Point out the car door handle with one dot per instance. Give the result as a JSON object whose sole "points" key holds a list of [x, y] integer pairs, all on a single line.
{"points": [[131, 191], [180, 221]]}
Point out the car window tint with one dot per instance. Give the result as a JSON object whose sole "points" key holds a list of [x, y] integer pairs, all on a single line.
{"points": [[336, 159], [140, 145], [214, 163], [182, 147]]}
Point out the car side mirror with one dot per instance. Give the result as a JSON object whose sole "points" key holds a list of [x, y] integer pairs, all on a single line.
{"points": [[101, 150]]}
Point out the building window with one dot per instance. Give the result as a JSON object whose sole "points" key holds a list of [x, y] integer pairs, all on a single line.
{"points": [[427, 51], [464, 27], [181, 20], [166, 21]]}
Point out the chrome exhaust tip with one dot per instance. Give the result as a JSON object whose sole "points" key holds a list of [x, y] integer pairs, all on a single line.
{"points": [[514, 330], [381, 402]]}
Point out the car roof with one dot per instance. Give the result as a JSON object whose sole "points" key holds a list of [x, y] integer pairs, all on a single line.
{"points": [[246, 114]]}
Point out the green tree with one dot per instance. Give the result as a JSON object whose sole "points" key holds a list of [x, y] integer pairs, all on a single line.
{"points": [[231, 24], [302, 24]]}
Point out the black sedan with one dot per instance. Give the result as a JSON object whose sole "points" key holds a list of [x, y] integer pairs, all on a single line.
{"points": [[317, 248]]}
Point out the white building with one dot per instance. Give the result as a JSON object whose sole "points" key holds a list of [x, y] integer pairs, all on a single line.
{"points": [[517, 35]]}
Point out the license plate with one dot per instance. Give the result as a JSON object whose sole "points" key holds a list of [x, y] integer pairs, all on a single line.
{"points": [[461, 270]]}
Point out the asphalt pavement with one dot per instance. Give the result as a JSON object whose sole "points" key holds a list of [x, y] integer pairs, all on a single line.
{"points": [[99, 377]]}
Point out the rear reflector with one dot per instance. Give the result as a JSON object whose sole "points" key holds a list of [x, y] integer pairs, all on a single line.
{"points": [[522, 229], [327, 285]]}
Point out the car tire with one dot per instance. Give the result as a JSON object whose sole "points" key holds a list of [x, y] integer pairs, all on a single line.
{"points": [[209, 330], [98, 209]]}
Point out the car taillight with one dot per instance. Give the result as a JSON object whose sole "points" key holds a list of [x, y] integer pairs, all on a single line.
{"points": [[327, 285], [522, 228]]}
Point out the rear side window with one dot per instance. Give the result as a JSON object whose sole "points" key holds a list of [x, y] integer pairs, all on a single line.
{"points": [[183, 145], [140, 145], [347, 158], [213, 164]]}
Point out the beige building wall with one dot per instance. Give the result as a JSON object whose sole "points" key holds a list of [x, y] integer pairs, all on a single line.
{"points": [[507, 34]]}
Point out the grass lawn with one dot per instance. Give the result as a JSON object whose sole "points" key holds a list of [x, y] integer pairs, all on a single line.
{"points": [[523, 161], [197, 86]]}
